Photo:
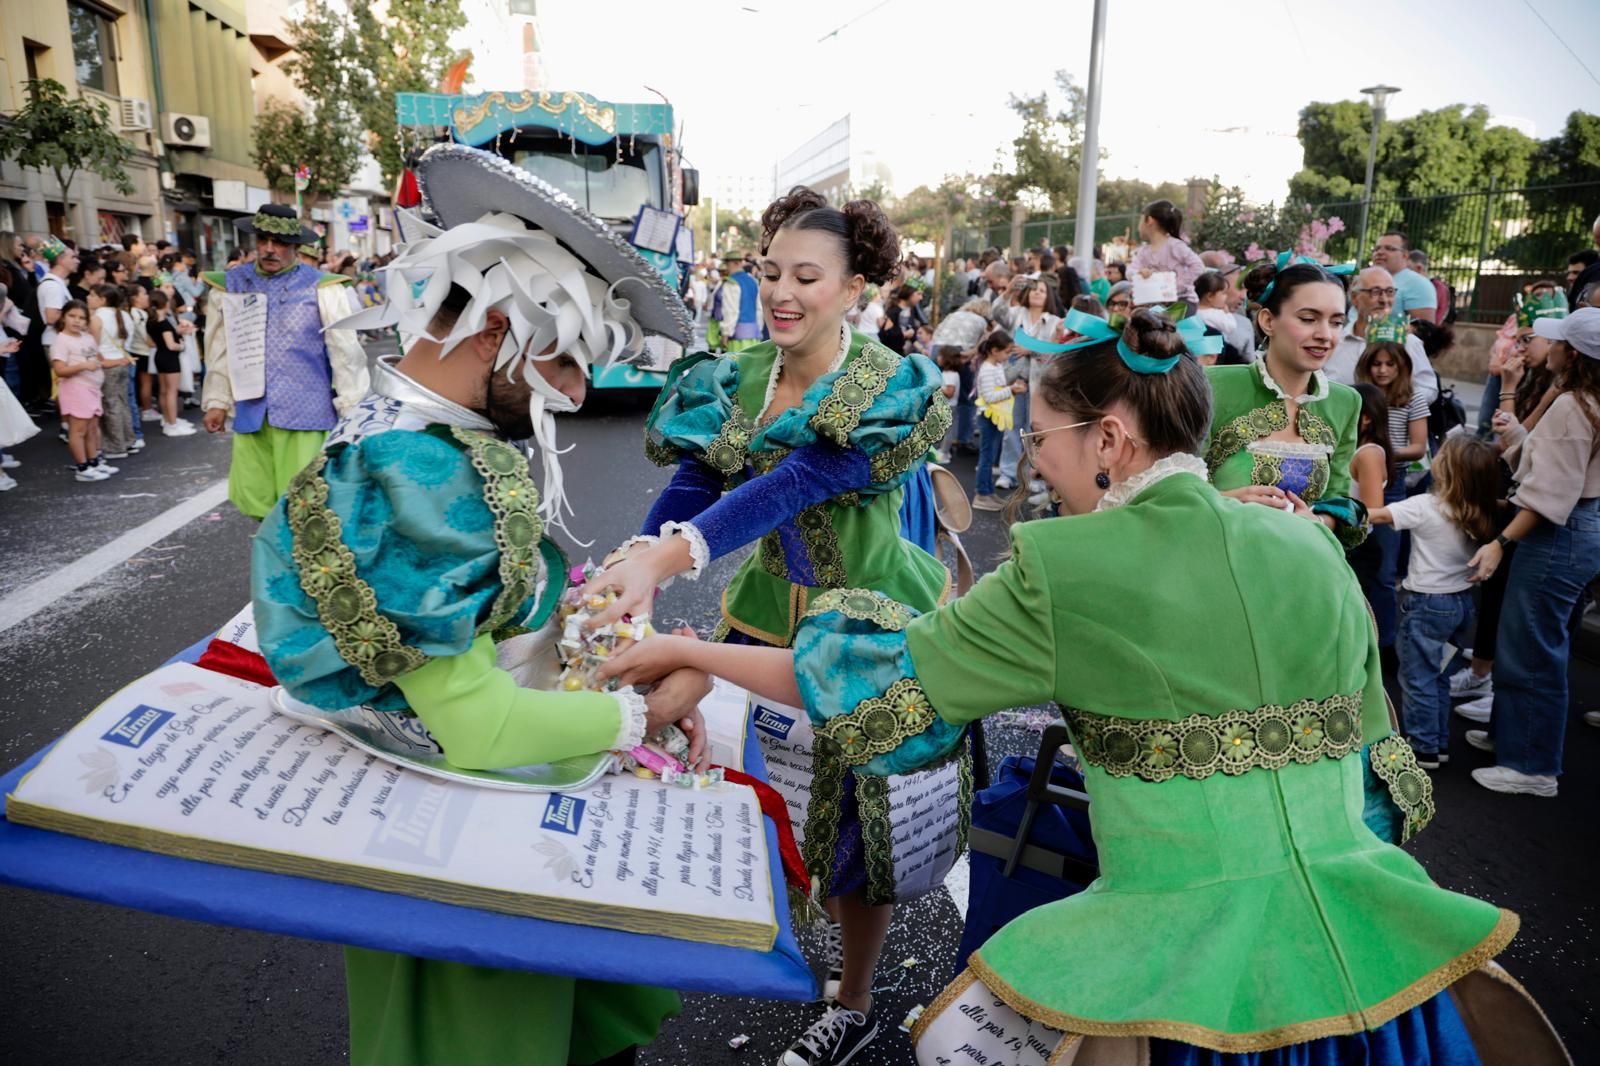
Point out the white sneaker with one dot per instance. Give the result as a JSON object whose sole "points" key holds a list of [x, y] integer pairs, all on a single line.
{"points": [[1465, 684], [1004, 484], [1038, 485], [116, 455], [137, 446], [1505, 779], [1478, 710], [1592, 718], [90, 474], [148, 415], [9, 462], [7, 482], [106, 468], [1480, 739], [180, 428], [943, 459]]}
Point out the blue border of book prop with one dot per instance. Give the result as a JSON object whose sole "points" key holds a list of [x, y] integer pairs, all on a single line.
{"points": [[345, 914]]}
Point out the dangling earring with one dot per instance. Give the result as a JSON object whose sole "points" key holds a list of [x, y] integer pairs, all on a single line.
{"points": [[1102, 480]]}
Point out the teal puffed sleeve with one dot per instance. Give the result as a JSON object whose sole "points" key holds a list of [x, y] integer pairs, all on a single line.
{"points": [[390, 552], [695, 402], [860, 687], [887, 405]]}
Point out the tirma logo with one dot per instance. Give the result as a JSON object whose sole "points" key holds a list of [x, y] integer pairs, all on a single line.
{"points": [[562, 813], [138, 726], [772, 723], [422, 822]]}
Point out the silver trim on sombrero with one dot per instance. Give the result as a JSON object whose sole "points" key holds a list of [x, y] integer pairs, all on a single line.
{"points": [[654, 305]]}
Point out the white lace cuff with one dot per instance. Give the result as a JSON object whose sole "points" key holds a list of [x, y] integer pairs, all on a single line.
{"points": [[631, 733], [698, 552]]}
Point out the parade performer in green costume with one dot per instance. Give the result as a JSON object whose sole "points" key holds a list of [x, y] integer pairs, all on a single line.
{"points": [[1281, 433], [407, 563], [806, 443], [300, 376], [1244, 912]]}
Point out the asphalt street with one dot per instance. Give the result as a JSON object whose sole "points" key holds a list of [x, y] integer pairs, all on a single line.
{"points": [[89, 983]]}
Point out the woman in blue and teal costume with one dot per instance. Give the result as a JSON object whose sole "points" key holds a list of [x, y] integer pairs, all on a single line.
{"points": [[805, 444], [1245, 914]]}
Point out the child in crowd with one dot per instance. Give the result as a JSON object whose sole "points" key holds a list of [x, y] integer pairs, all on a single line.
{"points": [[1386, 365], [15, 425], [1165, 251], [1447, 525], [1370, 468], [139, 346], [168, 359], [76, 362], [995, 403], [923, 344], [111, 327]]}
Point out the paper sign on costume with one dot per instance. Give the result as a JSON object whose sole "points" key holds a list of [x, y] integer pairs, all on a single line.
{"points": [[924, 812], [978, 1027], [193, 763], [241, 630], [244, 315], [1161, 287]]}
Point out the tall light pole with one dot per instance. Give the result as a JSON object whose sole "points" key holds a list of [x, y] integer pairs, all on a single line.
{"points": [[1378, 95], [1089, 161]]}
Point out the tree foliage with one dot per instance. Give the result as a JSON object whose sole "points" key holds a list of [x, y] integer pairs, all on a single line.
{"points": [[1047, 155], [65, 135], [349, 63]]}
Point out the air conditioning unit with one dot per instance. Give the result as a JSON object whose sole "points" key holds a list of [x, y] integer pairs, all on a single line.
{"points": [[135, 114], [185, 131]]}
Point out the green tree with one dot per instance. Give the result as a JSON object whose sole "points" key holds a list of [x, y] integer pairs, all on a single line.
{"points": [[1129, 196], [63, 135], [1047, 154], [405, 49], [286, 138]]}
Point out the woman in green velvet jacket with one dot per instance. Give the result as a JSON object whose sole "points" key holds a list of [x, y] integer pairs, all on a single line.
{"points": [[1243, 906]]}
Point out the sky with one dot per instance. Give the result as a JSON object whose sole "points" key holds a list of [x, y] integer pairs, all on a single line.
{"points": [[1183, 96]]}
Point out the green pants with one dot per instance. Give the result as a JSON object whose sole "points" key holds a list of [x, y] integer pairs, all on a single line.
{"points": [[265, 461], [406, 1011]]}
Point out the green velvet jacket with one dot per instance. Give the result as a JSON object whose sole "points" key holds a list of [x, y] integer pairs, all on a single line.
{"points": [[1243, 902]]}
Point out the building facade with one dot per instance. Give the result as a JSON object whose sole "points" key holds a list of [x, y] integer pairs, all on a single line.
{"points": [[836, 162], [98, 51], [175, 78]]}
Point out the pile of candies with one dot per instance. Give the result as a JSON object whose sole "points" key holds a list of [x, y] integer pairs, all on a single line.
{"points": [[583, 651]]}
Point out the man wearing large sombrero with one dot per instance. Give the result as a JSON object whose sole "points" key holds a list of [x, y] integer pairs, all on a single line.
{"points": [[407, 564], [272, 363]]}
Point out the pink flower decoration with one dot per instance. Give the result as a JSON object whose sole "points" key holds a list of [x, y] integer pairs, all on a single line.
{"points": [[1247, 216], [1335, 224], [1254, 252]]}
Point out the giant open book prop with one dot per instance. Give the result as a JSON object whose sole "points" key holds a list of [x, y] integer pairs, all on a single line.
{"points": [[174, 792]]}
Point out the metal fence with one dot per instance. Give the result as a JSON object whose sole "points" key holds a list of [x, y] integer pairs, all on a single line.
{"points": [[1486, 244]]}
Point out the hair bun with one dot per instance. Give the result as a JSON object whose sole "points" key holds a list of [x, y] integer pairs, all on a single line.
{"points": [[1148, 333], [874, 244], [798, 199]]}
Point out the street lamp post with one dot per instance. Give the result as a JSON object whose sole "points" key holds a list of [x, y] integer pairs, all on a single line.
{"points": [[1379, 96], [1089, 161]]}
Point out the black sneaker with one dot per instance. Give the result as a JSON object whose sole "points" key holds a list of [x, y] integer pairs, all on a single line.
{"points": [[833, 1039], [1428, 760]]}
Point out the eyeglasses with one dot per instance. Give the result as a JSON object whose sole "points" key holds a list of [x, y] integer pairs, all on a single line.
{"points": [[1386, 293], [1121, 301], [1522, 341], [1030, 445]]}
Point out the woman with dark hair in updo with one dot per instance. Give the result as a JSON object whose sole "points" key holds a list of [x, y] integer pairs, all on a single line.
{"points": [[1219, 675], [806, 443]]}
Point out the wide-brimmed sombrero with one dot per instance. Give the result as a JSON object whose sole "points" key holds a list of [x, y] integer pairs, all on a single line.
{"points": [[461, 184]]}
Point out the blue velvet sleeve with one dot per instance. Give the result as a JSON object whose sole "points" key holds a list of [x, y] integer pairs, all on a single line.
{"points": [[806, 476], [693, 488]]}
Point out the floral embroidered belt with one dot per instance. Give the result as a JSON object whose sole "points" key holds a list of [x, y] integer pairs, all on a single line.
{"points": [[1234, 742]]}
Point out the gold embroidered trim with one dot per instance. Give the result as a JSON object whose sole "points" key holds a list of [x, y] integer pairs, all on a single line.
{"points": [[877, 844], [942, 1002], [863, 605], [1410, 787], [822, 819], [1236, 435], [776, 640], [822, 545], [853, 392], [512, 497], [347, 606], [877, 725], [660, 454], [1233, 742], [730, 448], [1419, 991], [893, 462]]}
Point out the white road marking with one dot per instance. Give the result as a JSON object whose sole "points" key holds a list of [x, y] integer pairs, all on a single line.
{"points": [[31, 599], [956, 883]]}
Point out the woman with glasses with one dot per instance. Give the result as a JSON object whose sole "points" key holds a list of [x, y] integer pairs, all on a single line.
{"points": [[1119, 302], [1244, 910]]}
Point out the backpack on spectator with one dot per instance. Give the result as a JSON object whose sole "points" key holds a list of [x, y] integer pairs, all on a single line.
{"points": [[1445, 414]]}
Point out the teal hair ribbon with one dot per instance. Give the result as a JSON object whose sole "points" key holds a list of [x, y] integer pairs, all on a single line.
{"points": [[1288, 259], [1096, 330]]}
